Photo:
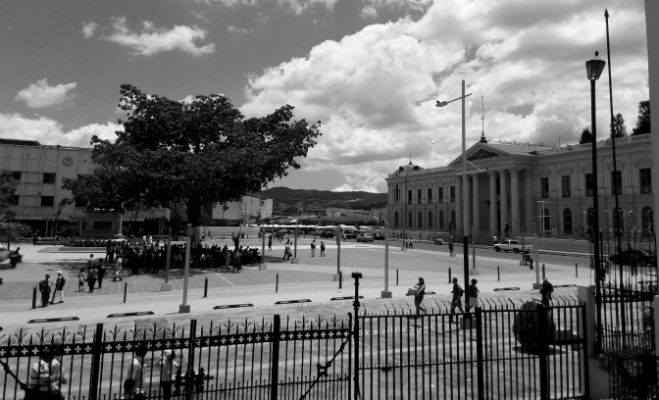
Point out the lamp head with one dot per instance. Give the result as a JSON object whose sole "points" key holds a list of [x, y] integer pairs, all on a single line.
{"points": [[440, 103], [594, 67]]}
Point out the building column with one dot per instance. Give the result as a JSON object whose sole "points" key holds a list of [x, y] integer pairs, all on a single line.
{"points": [[475, 223], [529, 217], [467, 205], [504, 200], [459, 229], [493, 203], [514, 200]]}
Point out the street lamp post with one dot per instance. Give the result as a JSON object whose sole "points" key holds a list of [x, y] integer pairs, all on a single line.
{"points": [[465, 217], [594, 69]]}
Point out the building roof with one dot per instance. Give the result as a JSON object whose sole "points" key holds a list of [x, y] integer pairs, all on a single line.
{"points": [[19, 142]]}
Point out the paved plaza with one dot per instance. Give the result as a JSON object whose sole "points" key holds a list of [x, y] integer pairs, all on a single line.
{"points": [[312, 278]]}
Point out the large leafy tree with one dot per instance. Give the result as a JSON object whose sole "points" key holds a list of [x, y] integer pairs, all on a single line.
{"points": [[643, 121], [9, 229], [586, 136], [197, 153], [619, 128]]}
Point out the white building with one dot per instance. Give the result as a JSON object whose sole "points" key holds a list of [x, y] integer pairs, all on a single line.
{"points": [[248, 210], [527, 188]]}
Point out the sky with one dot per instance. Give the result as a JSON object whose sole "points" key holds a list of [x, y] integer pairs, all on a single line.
{"points": [[369, 70]]}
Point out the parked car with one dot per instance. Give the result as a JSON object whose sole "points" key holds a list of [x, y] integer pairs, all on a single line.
{"points": [[511, 245], [632, 257], [327, 233], [437, 240], [350, 234], [364, 238], [378, 236]]}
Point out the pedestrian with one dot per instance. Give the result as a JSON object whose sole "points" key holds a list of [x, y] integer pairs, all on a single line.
{"points": [[118, 265], [59, 288], [101, 273], [82, 278], [546, 291], [270, 242], [135, 374], [168, 367], [91, 279], [419, 292], [287, 251], [313, 248], [472, 294], [456, 301], [90, 262], [44, 289], [45, 377], [410, 244]]}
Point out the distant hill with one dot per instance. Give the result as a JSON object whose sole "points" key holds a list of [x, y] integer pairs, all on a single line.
{"points": [[288, 201]]}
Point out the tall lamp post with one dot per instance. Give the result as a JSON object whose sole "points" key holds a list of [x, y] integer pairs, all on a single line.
{"points": [[594, 69], [465, 217]]}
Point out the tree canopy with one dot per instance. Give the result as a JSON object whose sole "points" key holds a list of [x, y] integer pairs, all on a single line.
{"points": [[619, 128], [9, 230], [643, 121], [586, 136], [197, 153]]}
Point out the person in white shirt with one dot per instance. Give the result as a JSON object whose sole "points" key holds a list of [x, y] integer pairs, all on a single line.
{"points": [[168, 367]]}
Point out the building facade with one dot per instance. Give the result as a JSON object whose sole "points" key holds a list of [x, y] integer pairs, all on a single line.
{"points": [[247, 210], [521, 189]]}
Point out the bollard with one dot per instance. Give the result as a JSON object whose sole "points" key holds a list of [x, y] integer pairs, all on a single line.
{"points": [[396, 276], [449, 275], [543, 271], [498, 274], [576, 270], [277, 283], [125, 291], [340, 279], [34, 297], [205, 287]]}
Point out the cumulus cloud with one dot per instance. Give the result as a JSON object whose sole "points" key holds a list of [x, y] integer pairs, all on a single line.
{"points": [[150, 40], [295, 6], [375, 90], [49, 131], [40, 94], [89, 29]]}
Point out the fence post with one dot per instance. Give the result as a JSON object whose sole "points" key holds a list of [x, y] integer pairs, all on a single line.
{"points": [[396, 276], [34, 297], [543, 350], [543, 271], [189, 385], [125, 291], [576, 270], [479, 353], [498, 274], [274, 366], [356, 275], [449, 274], [277, 283], [205, 287], [95, 372]]}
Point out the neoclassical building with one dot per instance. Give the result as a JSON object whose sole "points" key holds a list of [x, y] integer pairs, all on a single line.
{"points": [[522, 189]]}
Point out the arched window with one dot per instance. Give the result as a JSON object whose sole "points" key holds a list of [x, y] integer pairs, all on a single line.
{"points": [[409, 219], [441, 220], [647, 221], [396, 221], [567, 221], [429, 219], [546, 220], [396, 193], [419, 220], [590, 221]]}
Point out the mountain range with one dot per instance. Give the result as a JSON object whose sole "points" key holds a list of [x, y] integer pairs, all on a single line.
{"points": [[289, 201]]}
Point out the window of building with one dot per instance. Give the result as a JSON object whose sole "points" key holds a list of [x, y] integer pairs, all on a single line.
{"points": [[546, 220], [616, 182], [47, 201], [441, 220], [418, 196], [452, 222], [396, 193], [544, 187], [566, 186], [440, 195], [567, 221], [645, 175], [429, 219], [647, 216], [429, 195], [589, 184], [396, 221], [419, 220], [409, 196], [452, 194], [49, 177], [619, 223], [16, 175], [590, 220], [13, 200], [409, 219]]}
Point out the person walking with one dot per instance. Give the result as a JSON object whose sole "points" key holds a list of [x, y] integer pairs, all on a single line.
{"points": [[472, 294], [82, 278], [456, 301], [322, 248], [101, 273], [45, 377], [91, 279], [135, 374], [546, 291], [313, 248], [168, 367], [270, 242], [44, 289], [118, 265], [59, 288], [419, 292]]}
